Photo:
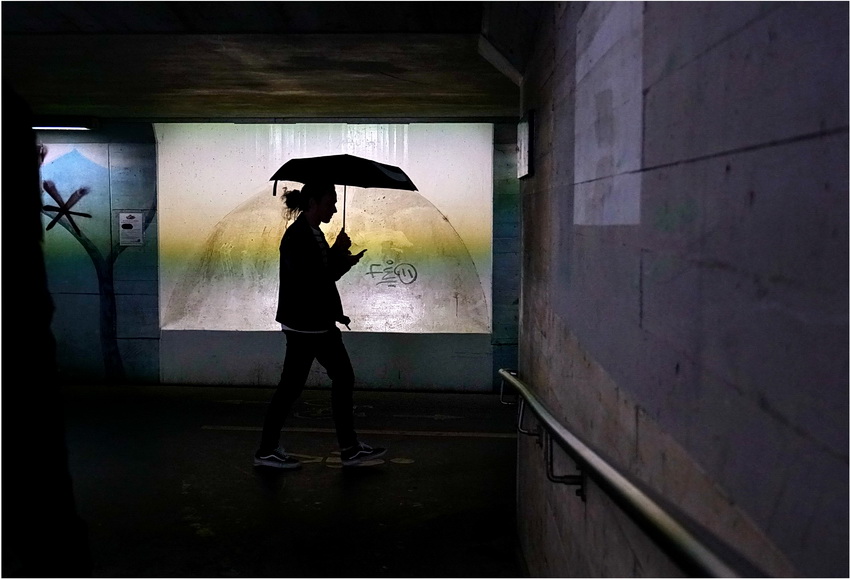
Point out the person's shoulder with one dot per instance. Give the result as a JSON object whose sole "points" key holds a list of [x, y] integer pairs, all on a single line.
{"points": [[298, 227], [297, 234]]}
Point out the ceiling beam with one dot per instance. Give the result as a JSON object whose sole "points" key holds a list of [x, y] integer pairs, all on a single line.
{"points": [[257, 76]]}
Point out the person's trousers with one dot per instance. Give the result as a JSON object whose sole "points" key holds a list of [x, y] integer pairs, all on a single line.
{"points": [[301, 350]]}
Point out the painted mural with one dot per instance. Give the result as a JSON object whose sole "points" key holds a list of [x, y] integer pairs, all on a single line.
{"points": [[416, 276], [80, 248], [428, 260]]}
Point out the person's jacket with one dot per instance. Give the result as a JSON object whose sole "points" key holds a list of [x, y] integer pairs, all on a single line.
{"points": [[308, 298]]}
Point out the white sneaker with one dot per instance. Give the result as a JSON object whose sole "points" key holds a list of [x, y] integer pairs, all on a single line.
{"points": [[277, 458], [360, 453]]}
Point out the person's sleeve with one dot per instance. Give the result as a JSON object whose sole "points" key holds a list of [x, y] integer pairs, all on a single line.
{"points": [[338, 263]]}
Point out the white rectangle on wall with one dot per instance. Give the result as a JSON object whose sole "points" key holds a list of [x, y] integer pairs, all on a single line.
{"points": [[609, 114], [131, 228], [428, 265]]}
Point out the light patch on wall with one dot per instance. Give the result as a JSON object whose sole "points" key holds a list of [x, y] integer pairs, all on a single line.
{"points": [[428, 264], [609, 114]]}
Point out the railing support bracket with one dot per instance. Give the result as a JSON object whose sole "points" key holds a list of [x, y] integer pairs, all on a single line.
{"points": [[579, 479], [520, 418], [502, 394]]}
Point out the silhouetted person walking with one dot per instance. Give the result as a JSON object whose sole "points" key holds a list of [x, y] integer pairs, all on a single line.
{"points": [[308, 309]]}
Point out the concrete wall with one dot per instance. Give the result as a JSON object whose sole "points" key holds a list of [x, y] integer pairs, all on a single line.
{"points": [[684, 278], [506, 254], [393, 361], [107, 295]]}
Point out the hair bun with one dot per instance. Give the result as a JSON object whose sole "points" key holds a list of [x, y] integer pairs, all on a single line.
{"points": [[293, 199]]}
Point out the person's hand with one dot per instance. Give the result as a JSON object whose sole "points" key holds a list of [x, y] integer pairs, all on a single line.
{"points": [[343, 242], [356, 257]]}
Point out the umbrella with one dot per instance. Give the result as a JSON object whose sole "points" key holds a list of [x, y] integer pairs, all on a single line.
{"points": [[343, 170]]}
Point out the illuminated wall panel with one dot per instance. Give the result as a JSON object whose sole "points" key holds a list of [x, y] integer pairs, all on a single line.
{"points": [[428, 265]]}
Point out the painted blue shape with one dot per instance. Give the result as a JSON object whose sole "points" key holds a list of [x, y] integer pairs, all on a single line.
{"points": [[71, 172]]}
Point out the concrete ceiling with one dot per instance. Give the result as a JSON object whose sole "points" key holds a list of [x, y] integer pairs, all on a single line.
{"points": [[206, 61]]}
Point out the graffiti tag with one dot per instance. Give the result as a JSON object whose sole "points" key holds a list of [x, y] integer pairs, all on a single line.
{"points": [[391, 274]]}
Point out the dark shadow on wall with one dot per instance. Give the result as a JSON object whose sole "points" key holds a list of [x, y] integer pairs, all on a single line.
{"points": [[42, 534]]}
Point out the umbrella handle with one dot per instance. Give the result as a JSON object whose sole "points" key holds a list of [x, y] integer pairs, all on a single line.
{"points": [[344, 197]]}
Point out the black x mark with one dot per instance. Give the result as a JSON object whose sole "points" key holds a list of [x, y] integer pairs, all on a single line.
{"points": [[64, 207]]}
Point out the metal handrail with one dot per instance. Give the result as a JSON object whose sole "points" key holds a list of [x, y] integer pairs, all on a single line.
{"points": [[676, 536]]}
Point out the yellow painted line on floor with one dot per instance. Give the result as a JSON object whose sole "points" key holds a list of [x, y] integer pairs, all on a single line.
{"points": [[402, 433]]}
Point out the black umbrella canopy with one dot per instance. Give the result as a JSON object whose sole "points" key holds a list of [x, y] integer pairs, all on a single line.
{"points": [[344, 170]]}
